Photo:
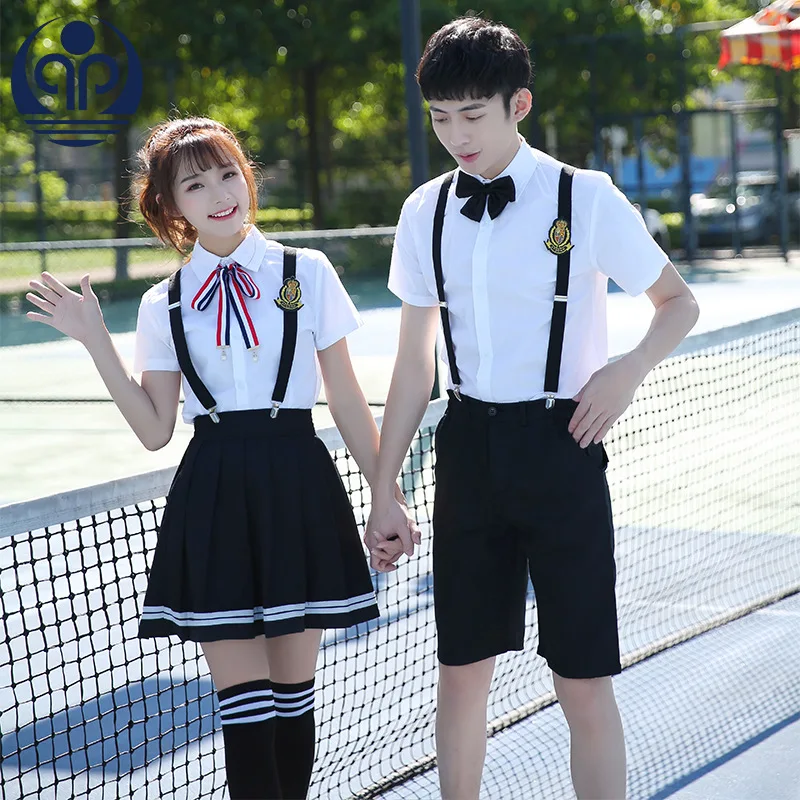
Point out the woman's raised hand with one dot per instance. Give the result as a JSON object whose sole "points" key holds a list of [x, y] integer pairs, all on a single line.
{"points": [[75, 315]]}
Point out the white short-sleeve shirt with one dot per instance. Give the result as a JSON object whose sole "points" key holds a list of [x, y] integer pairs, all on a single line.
{"points": [[239, 382], [499, 277]]}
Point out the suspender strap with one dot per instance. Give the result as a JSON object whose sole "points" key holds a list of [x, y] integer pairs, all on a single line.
{"points": [[289, 335], [182, 350], [438, 227], [556, 343]]}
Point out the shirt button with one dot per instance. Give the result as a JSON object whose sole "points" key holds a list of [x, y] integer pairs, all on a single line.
{"points": [[492, 411]]}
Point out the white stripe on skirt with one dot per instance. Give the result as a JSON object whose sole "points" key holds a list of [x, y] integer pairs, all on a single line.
{"points": [[274, 614]]}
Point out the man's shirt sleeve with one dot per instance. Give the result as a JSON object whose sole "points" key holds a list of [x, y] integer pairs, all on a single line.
{"points": [[621, 246], [406, 279]]}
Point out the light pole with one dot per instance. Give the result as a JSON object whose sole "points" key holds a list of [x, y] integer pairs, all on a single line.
{"points": [[417, 140]]}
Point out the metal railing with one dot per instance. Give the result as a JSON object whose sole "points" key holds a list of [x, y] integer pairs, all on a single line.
{"points": [[122, 247]]}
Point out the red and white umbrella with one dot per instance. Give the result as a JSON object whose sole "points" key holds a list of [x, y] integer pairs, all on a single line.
{"points": [[770, 37]]}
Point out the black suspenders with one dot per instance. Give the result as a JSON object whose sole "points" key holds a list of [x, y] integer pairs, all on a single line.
{"points": [[438, 227], [557, 324], [289, 335], [182, 351], [559, 318]]}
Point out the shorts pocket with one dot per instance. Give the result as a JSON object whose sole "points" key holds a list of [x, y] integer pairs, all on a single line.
{"points": [[597, 452], [440, 425]]}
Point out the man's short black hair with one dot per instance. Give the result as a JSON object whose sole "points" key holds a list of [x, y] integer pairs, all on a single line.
{"points": [[472, 57]]}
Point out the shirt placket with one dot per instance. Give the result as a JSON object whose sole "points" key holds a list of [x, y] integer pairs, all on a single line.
{"points": [[239, 358], [480, 301]]}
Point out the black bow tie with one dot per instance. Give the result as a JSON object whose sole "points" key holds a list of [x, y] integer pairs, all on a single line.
{"points": [[499, 193]]}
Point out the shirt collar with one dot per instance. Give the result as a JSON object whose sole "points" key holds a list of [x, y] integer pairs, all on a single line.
{"points": [[249, 254], [521, 168]]}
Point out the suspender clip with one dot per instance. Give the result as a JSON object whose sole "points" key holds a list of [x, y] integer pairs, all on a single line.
{"points": [[443, 304], [550, 402], [276, 407], [212, 412], [457, 392]]}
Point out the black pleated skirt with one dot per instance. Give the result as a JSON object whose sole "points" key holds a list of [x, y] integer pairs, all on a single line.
{"points": [[258, 536]]}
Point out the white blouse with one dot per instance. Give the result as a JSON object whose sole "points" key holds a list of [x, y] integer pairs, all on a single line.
{"points": [[239, 381]]}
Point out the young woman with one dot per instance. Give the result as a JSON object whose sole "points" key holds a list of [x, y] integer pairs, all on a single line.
{"points": [[258, 549]]}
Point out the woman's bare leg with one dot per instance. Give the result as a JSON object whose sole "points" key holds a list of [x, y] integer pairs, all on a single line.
{"points": [[240, 670]]}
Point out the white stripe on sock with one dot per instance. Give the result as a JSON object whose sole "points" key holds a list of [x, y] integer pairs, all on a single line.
{"points": [[259, 718], [295, 704], [265, 693], [293, 695], [296, 713], [226, 713]]}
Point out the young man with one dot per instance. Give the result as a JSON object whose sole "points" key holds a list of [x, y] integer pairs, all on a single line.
{"points": [[514, 252]]}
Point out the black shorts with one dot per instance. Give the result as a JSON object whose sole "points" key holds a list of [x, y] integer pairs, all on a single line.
{"points": [[517, 495]]}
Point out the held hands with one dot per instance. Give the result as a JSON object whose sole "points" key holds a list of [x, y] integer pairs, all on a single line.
{"points": [[391, 532], [75, 315], [604, 398]]}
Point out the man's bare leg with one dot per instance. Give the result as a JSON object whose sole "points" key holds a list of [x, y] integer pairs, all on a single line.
{"points": [[461, 728], [597, 753]]}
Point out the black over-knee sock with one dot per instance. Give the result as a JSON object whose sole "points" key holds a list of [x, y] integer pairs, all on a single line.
{"points": [[248, 728], [294, 736]]}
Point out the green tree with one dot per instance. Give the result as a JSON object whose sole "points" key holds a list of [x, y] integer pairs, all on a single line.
{"points": [[17, 20], [595, 57], [321, 84]]}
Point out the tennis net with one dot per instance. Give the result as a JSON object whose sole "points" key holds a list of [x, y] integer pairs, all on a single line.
{"points": [[703, 475]]}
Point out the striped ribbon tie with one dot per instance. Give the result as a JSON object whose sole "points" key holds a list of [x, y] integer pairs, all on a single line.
{"points": [[236, 284]]}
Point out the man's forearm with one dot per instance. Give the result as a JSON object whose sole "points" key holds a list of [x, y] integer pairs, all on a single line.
{"points": [[672, 320], [408, 398]]}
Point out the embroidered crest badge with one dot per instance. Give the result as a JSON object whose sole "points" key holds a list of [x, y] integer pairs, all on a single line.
{"points": [[289, 296], [559, 239]]}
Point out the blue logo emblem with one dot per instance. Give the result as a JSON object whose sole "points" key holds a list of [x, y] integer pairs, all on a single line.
{"points": [[62, 119]]}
